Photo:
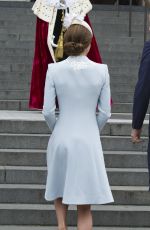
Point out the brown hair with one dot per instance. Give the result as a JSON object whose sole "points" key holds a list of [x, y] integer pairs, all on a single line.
{"points": [[76, 39]]}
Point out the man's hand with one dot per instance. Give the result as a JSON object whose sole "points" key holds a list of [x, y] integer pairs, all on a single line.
{"points": [[136, 135]]}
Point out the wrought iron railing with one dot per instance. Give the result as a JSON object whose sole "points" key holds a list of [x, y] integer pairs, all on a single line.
{"points": [[146, 12]]}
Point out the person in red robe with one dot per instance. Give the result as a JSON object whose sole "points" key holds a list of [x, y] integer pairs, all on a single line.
{"points": [[42, 57]]}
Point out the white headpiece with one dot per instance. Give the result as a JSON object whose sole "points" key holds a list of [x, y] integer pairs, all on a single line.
{"points": [[71, 19], [58, 3]]}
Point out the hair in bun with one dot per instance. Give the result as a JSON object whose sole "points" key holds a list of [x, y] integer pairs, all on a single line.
{"points": [[73, 48], [76, 39]]}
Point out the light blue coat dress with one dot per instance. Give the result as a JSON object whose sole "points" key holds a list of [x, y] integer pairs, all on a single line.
{"points": [[75, 162]]}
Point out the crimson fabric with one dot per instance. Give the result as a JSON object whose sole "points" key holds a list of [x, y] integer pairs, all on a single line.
{"points": [[94, 53], [42, 58]]}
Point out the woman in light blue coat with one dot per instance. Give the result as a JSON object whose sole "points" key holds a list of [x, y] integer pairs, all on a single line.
{"points": [[75, 162]]}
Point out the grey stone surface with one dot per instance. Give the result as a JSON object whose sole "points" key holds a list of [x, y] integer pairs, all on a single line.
{"points": [[125, 159], [113, 127], [122, 97], [22, 85], [23, 157], [40, 141], [102, 215], [37, 175], [122, 108], [24, 141], [34, 194], [14, 94], [38, 227], [8, 43], [14, 104], [35, 157]]}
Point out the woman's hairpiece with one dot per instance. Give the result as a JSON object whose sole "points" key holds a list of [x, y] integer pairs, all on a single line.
{"points": [[71, 19]]}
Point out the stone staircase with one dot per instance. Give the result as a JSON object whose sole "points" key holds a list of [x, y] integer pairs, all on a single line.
{"points": [[24, 134]]}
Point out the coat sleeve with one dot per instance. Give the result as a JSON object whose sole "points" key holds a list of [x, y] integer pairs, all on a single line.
{"points": [[49, 105], [104, 106], [142, 89]]}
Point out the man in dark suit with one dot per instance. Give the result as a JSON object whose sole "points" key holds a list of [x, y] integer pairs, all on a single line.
{"points": [[141, 99]]}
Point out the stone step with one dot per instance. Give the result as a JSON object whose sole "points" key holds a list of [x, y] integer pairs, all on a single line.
{"points": [[22, 11], [127, 48], [40, 141], [34, 214], [37, 175], [22, 27], [120, 116], [16, 13], [15, 76], [8, 43], [31, 38], [34, 123], [112, 40], [138, 13], [111, 47], [113, 159], [21, 85], [14, 30], [122, 107], [127, 70], [24, 85], [14, 95], [27, 63], [34, 194], [24, 52], [14, 105], [7, 73], [24, 95], [111, 15], [36, 115], [21, 77], [124, 41], [115, 32], [39, 227], [100, 33], [26, 69], [123, 79], [121, 20], [21, 23], [16, 67], [124, 54], [95, 17], [121, 62], [109, 60], [23, 105], [122, 87], [122, 97], [122, 26], [12, 37]]}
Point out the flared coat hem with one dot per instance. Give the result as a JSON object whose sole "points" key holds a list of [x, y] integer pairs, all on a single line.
{"points": [[77, 201]]}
